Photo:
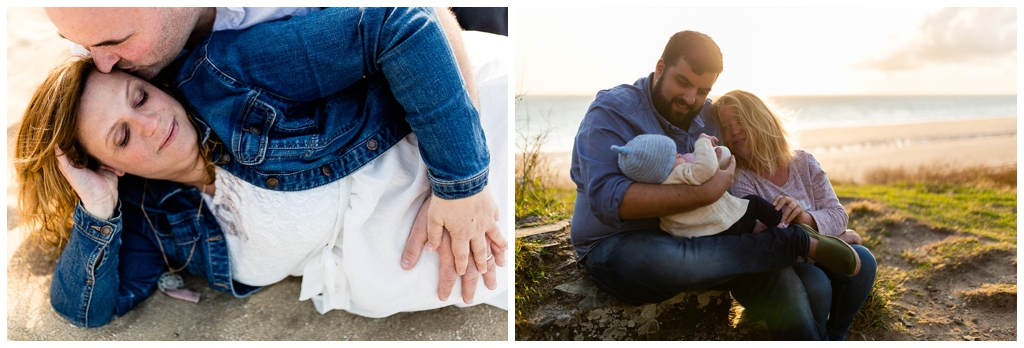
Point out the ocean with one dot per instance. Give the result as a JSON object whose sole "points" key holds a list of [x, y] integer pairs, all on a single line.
{"points": [[560, 116]]}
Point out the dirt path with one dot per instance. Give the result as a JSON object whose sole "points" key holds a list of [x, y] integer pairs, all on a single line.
{"points": [[952, 303]]}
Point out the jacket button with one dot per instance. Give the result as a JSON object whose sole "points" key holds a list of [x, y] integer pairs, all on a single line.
{"points": [[326, 170], [225, 158], [272, 182], [254, 130], [371, 144], [106, 230]]}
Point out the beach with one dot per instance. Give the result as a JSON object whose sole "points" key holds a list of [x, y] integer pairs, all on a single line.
{"points": [[848, 153], [273, 313]]}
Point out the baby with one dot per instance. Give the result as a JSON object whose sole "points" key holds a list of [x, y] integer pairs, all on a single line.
{"points": [[652, 159]]}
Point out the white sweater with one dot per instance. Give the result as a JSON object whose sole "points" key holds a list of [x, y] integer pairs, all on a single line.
{"points": [[710, 219]]}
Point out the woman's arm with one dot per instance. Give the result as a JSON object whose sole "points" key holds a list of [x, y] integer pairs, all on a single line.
{"points": [[830, 217], [88, 288]]}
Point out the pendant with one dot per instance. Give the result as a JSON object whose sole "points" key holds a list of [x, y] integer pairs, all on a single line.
{"points": [[169, 281], [171, 284]]}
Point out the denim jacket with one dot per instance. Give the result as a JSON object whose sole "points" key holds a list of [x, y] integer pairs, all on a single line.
{"points": [[303, 102], [110, 265], [296, 104]]}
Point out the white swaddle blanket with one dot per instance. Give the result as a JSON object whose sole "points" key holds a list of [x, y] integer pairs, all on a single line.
{"points": [[346, 238]]}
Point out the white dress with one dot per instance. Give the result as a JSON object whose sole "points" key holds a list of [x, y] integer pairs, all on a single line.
{"points": [[346, 239]]}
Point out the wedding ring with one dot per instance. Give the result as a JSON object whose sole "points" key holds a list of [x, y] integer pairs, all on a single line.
{"points": [[490, 256]]}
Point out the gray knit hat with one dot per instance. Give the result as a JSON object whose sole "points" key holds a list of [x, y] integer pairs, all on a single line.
{"points": [[648, 158]]}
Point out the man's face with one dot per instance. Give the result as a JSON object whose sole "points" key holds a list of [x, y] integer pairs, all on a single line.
{"points": [[138, 40], [678, 92]]}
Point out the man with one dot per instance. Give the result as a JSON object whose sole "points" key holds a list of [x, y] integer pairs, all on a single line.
{"points": [[615, 227], [144, 41]]}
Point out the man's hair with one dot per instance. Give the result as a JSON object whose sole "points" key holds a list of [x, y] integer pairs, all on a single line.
{"points": [[698, 49]]}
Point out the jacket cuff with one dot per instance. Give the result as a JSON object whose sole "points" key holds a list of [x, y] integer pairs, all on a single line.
{"points": [[95, 228], [459, 188]]}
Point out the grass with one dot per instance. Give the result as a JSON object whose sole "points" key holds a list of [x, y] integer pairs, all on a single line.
{"points": [[980, 202], [534, 194], [528, 275], [986, 206], [951, 253], [878, 310]]}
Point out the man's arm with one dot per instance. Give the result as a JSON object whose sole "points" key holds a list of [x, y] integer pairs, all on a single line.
{"points": [[644, 201], [453, 31]]}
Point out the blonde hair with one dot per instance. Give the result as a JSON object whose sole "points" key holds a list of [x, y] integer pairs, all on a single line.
{"points": [[768, 141], [46, 201]]}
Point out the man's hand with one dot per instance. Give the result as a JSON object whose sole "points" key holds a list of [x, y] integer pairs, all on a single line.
{"points": [[414, 248], [644, 201], [470, 221]]}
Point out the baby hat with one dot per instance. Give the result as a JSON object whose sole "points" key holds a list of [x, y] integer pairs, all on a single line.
{"points": [[648, 158]]}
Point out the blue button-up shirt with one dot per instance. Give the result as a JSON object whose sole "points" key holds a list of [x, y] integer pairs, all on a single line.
{"points": [[615, 117]]}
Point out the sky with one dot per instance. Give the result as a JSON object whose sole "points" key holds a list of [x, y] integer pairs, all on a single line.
{"points": [[776, 51]]}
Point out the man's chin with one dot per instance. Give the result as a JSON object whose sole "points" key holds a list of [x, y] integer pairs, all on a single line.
{"points": [[145, 74]]}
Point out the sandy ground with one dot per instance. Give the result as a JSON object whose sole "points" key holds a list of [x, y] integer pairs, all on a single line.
{"points": [[273, 313], [848, 153]]}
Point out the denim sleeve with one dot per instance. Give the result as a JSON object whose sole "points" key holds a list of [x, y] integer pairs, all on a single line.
{"points": [[87, 287], [604, 183], [330, 50]]}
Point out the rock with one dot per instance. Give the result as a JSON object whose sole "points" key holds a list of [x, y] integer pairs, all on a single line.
{"points": [[911, 313], [631, 323], [648, 328], [563, 319], [958, 321], [649, 311], [582, 286], [614, 334], [704, 298]]}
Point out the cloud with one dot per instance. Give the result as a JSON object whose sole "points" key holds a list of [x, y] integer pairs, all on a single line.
{"points": [[954, 35]]}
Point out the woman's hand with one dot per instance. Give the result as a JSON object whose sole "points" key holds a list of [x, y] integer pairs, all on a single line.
{"points": [[851, 237], [97, 189], [794, 212], [470, 221]]}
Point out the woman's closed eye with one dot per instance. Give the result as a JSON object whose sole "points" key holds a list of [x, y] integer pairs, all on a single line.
{"points": [[127, 134], [142, 100]]}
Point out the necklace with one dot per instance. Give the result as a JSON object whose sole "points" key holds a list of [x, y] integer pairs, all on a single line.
{"points": [[171, 283]]}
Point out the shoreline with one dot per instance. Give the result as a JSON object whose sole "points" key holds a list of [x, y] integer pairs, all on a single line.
{"points": [[848, 153]]}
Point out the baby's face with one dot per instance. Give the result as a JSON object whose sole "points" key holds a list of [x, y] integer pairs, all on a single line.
{"points": [[683, 158]]}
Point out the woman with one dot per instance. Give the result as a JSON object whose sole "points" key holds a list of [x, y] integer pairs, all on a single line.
{"points": [[160, 190], [797, 185]]}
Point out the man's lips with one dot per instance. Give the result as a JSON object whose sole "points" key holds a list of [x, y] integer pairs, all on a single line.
{"points": [[171, 135]]}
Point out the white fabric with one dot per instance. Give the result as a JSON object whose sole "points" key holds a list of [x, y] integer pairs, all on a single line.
{"points": [[235, 18], [243, 17], [712, 218], [346, 239]]}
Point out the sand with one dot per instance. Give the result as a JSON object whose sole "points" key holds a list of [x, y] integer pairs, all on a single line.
{"points": [[848, 153], [273, 313]]}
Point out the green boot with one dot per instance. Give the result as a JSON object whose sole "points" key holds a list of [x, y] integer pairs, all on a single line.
{"points": [[834, 253]]}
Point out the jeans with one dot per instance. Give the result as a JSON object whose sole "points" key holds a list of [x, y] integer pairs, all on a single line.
{"points": [[835, 299], [650, 266], [849, 293]]}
